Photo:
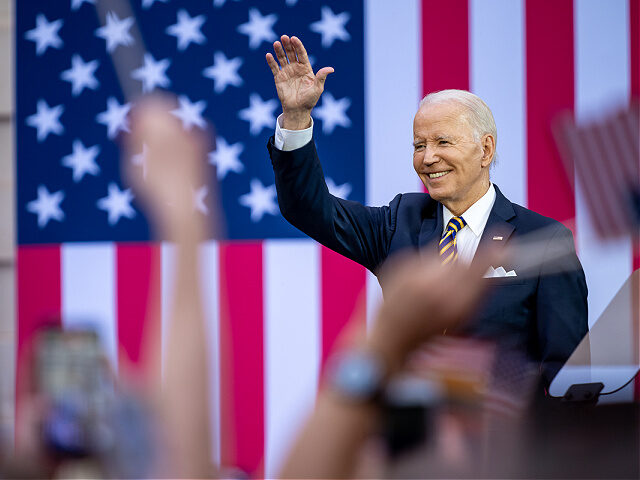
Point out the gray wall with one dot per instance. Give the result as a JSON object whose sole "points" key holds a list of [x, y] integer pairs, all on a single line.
{"points": [[7, 225]]}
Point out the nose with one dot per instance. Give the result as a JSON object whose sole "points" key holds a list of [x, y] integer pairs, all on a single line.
{"points": [[429, 157]]}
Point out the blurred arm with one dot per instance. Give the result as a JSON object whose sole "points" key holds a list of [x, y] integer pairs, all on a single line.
{"points": [[422, 299], [175, 164]]}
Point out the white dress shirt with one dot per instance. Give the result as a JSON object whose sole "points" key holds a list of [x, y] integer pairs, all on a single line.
{"points": [[287, 140], [476, 216]]}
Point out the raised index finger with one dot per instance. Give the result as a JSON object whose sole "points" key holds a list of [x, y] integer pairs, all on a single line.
{"points": [[300, 50]]}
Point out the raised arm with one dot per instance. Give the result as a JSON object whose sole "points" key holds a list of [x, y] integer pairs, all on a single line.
{"points": [[298, 88], [349, 228], [175, 164]]}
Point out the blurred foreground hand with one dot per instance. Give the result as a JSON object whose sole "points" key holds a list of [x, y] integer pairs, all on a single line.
{"points": [[422, 299], [175, 165]]}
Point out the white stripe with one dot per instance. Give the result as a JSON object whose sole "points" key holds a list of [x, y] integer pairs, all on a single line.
{"points": [[602, 83], [292, 342], [88, 292], [374, 297], [497, 71], [393, 89], [209, 273], [392, 97], [167, 260]]}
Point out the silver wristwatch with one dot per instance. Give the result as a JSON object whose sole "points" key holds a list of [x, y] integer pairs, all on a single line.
{"points": [[357, 375]]}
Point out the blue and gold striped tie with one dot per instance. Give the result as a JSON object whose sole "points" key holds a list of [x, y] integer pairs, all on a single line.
{"points": [[447, 246]]}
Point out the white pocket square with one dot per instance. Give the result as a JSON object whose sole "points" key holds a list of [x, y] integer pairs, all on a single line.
{"points": [[499, 272]]}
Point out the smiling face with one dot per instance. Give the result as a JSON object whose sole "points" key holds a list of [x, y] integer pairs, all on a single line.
{"points": [[452, 164]]}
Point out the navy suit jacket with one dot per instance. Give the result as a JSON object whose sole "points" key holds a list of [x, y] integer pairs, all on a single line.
{"points": [[544, 315]]}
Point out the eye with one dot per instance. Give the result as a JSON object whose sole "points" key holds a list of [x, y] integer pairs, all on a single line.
{"points": [[418, 147], [443, 142]]}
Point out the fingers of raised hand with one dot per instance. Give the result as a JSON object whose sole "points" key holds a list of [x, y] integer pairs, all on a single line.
{"points": [[301, 52], [282, 58], [273, 65], [288, 48]]}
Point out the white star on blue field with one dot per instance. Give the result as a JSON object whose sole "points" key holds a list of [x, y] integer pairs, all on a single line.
{"points": [[116, 31], [47, 206], [81, 71], [81, 75], [117, 204], [45, 34], [46, 120], [187, 29], [115, 117], [190, 113]]}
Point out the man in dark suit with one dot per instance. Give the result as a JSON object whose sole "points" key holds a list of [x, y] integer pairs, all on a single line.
{"points": [[544, 315]]}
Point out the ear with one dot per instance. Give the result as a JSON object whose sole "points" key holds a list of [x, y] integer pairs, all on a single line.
{"points": [[488, 144]]}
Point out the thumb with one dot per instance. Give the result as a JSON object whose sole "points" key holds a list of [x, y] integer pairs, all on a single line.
{"points": [[323, 73]]}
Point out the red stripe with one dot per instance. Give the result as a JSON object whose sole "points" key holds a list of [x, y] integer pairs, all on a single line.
{"points": [[39, 304], [445, 45], [342, 289], [241, 357], [138, 305], [550, 90]]}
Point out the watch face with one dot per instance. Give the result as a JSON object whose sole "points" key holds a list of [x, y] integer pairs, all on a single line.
{"points": [[357, 375]]}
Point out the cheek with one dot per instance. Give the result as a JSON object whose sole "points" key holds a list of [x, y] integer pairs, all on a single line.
{"points": [[417, 161]]}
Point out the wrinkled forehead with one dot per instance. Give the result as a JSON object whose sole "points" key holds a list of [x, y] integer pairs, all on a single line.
{"points": [[442, 118]]}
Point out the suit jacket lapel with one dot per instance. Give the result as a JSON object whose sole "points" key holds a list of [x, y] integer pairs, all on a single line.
{"points": [[431, 227], [498, 228]]}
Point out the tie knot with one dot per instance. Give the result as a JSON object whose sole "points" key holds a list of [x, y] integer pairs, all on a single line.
{"points": [[456, 224]]}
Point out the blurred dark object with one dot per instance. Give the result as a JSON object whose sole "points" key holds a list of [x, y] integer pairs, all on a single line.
{"points": [[409, 407], [584, 392], [582, 440], [606, 158], [552, 439], [75, 386], [85, 416]]}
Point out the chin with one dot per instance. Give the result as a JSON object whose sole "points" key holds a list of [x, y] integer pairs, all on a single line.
{"points": [[438, 194]]}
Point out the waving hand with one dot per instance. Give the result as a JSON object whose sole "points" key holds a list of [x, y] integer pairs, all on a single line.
{"points": [[298, 88]]}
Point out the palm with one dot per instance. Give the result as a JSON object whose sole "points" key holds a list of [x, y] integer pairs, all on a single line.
{"points": [[297, 87]]}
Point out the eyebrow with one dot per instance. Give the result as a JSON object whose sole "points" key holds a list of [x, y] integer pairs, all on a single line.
{"points": [[444, 137], [439, 136]]}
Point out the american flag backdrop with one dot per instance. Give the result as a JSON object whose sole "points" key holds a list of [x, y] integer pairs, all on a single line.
{"points": [[276, 300]]}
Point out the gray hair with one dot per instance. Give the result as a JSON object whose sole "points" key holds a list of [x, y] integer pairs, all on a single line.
{"points": [[479, 114]]}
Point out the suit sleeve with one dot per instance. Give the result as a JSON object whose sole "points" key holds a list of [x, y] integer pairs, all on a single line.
{"points": [[358, 232], [562, 319]]}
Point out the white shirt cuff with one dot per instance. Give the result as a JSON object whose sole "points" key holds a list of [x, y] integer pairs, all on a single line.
{"points": [[287, 140]]}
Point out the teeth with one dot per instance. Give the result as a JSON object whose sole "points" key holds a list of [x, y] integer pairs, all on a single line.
{"points": [[437, 175]]}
